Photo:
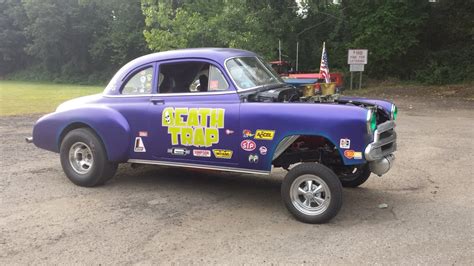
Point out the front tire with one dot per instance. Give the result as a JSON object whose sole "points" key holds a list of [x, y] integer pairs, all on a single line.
{"points": [[84, 159], [312, 193]]}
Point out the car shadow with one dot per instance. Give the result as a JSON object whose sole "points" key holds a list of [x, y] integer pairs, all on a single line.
{"points": [[259, 192]]}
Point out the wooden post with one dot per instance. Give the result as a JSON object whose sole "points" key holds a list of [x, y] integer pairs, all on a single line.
{"points": [[360, 80], [351, 78]]}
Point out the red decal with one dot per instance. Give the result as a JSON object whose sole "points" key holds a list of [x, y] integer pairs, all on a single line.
{"points": [[349, 154], [214, 84], [248, 145]]}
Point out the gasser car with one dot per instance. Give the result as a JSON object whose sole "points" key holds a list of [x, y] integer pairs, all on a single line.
{"points": [[226, 110]]}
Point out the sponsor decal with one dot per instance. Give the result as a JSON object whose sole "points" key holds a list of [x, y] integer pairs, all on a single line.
{"points": [[247, 133], [253, 158], [263, 150], [179, 151], [357, 155], [198, 127], [264, 134], [248, 145], [228, 132], [143, 133], [202, 153], [351, 154], [345, 143], [139, 145], [222, 154]]}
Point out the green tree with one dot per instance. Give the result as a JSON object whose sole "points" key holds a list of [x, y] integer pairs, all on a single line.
{"points": [[390, 30], [12, 38]]}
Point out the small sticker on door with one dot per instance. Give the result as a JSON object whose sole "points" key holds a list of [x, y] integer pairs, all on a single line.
{"points": [[139, 145]]}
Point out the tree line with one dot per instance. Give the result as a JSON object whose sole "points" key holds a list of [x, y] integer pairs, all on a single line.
{"points": [[88, 40]]}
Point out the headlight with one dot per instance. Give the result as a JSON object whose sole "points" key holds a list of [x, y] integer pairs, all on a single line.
{"points": [[393, 112], [371, 121]]}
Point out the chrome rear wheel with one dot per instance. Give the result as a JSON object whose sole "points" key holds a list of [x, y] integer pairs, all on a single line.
{"points": [[81, 158]]}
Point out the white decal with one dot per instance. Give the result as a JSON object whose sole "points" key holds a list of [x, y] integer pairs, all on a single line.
{"points": [[139, 146], [345, 144], [253, 158], [179, 151], [202, 153], [357, 155], [263, 150]]}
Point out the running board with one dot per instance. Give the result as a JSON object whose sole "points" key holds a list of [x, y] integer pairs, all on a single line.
{"points": [[200, 166]]}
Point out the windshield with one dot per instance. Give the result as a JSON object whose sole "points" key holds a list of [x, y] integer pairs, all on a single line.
{"points": [[251, 72]]}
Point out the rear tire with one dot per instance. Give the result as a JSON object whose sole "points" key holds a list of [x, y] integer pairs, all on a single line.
{"points": [[312, 193], [84, 159]]}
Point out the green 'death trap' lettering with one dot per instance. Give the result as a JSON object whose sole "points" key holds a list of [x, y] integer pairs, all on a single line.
{"points": [[193, 126]]}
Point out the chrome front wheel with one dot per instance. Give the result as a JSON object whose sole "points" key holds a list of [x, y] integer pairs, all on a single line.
{"points": [[310, 194]]}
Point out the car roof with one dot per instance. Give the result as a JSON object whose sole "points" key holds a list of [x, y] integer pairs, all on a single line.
{"points": [[218, 55]]}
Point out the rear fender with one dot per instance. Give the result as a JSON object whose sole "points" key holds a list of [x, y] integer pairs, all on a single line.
{"points": [[111, 127]]}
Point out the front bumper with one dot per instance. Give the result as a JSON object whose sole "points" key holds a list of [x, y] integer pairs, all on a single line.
{"points": [[379, 153]]}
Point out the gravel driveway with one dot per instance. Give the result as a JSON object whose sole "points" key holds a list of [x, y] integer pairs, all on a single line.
{"points": [[155, 215]]}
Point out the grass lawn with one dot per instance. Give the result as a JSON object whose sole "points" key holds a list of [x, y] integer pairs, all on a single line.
{"points": [[19, 97]]}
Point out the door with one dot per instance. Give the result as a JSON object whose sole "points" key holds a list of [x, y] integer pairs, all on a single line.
{"points": [[195, 115]]}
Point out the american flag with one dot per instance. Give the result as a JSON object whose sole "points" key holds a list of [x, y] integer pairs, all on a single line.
{"points": [[324, 68]]}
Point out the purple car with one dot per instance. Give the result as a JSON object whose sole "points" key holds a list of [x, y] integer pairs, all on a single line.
{"points": [[226, 110]]}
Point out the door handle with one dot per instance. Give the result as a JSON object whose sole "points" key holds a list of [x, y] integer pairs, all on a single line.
{"points": [[156, 100]]}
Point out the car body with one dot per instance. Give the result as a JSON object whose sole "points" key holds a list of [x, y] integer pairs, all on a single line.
{"points": [[218, 109]]}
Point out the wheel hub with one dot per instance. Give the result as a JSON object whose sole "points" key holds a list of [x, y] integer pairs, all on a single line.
{"points": [[81, 157], [310, 194]]}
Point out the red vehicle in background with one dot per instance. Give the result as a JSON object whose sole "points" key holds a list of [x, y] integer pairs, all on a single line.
{"points": [[285, 70]]}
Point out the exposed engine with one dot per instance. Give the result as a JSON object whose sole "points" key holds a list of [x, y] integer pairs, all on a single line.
{"points": [[282, 94], [292, 94]]}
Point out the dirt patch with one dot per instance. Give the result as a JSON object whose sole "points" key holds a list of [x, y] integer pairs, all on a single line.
{"points": [[154, 215]]}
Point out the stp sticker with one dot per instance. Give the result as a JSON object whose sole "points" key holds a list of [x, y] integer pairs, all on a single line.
{"points": [[349, 154], [345, 144], [247, 133], [202, 153], [248, 145], [264, 134], [263, 150], [253, 158], [179, 151], [143, 133], [139, 145], [222, 154]]}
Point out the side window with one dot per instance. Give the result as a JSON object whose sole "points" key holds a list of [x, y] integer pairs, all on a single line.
{"points": [[140, 83], [217, 81], [192, 76]]}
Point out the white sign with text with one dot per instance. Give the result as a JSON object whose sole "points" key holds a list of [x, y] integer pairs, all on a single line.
{"points": [[357, 56]]}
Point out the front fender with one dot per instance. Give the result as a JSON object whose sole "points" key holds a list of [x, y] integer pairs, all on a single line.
{"points": [[112, 128], [331, 121]]}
